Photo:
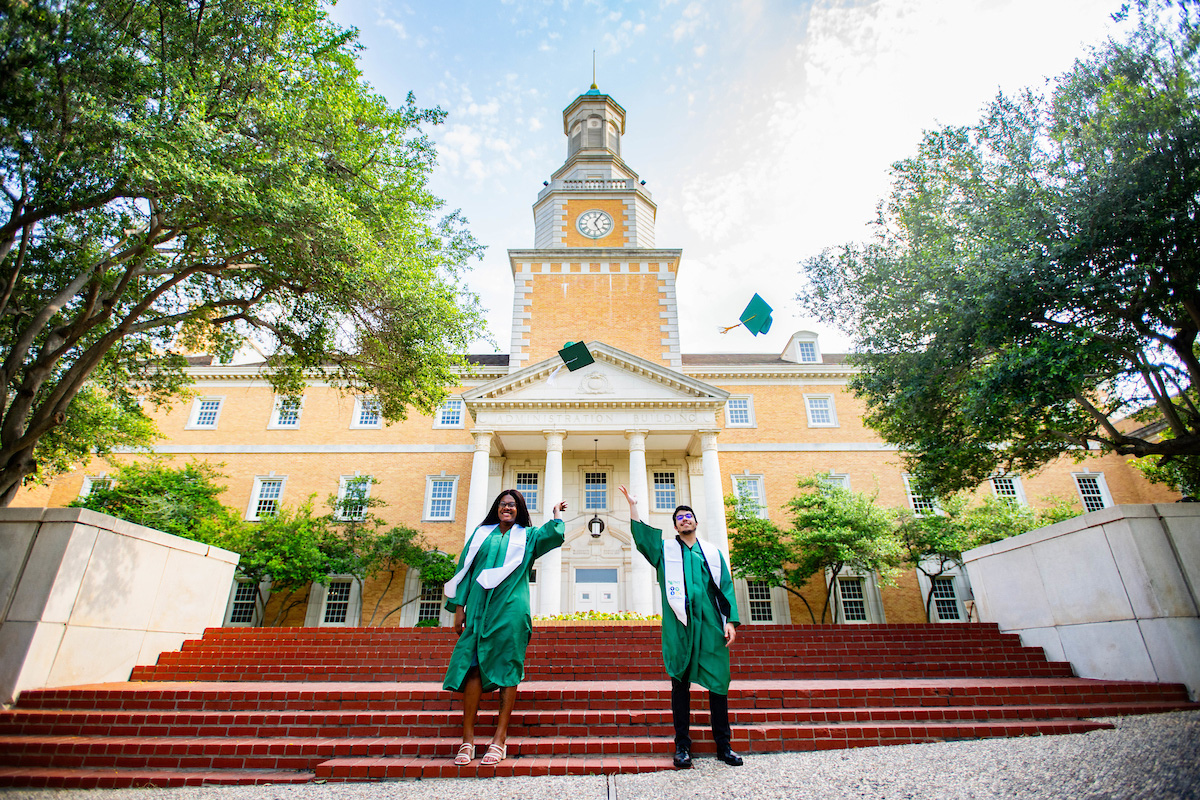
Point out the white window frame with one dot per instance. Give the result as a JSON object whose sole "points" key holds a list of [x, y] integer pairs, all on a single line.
{"points": [[194, 416], [737, 480], [410, 611], [318, 600], [808, 411], [430, 480], [90, 481], [654, 504], [912, 496], [359, 403], [252, 509], [1018, 488], [750, 423], [800, 347], [609, 488], [344, 482], [277, 409], [1101, 484], [541, 488], [962, 590], [873, 600], [264, 591], [780, 612], [838, 479], [456, 402]]}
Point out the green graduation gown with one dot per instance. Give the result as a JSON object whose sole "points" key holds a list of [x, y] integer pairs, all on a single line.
{"points": [[695, 652], [498, 623]]}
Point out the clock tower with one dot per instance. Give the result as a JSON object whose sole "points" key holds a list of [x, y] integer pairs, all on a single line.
{"points": [[595, 273]]}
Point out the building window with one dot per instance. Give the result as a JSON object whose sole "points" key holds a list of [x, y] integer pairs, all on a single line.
{"points": [[821, 413], [353, 492], [93, 482], [337, 603], [853, 600], [945, 601], [367, 413], [205, 412], [922, 504], [749, 488], [245, 603], [595, 491], [264, 500], [739, 412], [440, 493], [759, 594], [430, 604], [1007, 487], [287, 412], [837, 480], [527, 485], [664, 491], [450, 414], [1093, 491], [806, 352]]}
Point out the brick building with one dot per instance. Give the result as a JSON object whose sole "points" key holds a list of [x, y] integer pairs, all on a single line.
{"points": [[675, 427]]}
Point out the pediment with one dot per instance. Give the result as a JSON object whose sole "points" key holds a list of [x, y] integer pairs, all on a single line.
{"points": [[617, 379]]}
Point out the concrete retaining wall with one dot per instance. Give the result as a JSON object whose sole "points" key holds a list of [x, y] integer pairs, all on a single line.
{"points": [[1115, 592], [88, 596]]}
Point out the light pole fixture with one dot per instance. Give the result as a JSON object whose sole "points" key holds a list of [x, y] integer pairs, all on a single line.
{"points": [[596, 526]]}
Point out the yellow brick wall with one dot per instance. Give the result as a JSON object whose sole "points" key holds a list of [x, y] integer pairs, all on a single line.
{"points": [[591, 301]]}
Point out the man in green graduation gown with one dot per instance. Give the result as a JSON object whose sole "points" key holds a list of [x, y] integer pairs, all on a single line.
{"points": [[699, 624]]}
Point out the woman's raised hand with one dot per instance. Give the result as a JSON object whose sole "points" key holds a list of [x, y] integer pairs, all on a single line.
{"points": [[561, 507]]}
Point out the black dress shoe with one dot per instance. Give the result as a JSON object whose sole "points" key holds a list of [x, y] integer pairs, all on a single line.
{"points": [[683, 759], [729, 757]]}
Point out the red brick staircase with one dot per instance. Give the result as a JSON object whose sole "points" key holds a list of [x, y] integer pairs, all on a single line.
{"points": [[294, 705]]}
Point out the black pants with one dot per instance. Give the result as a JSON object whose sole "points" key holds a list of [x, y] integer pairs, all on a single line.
{"points": [[681, 714]]}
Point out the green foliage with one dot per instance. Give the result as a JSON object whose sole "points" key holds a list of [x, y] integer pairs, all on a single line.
{"points": [[832, 529], [196, 172], [1181, 473], [934, 543], [184, 501], [602, 616], [96, 423], [1035, 277]]}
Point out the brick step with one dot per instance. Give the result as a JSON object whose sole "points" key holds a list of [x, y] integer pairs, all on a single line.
{"points": [[306, 753], [85, 778], [306, 673], [626, 722], [597, 695]]}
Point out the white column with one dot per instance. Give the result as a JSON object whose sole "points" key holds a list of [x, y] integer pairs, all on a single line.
{"points": [[477, 497], [641, 579], [714, 513], [549, 566]]}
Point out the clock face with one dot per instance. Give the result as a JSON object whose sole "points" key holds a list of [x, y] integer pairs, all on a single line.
{"points": [[594, 224]]}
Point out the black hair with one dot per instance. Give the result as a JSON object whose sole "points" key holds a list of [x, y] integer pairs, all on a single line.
{"points": [[493, 516], [675, 513]]}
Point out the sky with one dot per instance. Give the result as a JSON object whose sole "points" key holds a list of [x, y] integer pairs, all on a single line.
{"points": [[764, 129]]}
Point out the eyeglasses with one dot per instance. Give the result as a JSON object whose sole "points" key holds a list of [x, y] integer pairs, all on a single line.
{"points": [[508, 505], [683, 515]]}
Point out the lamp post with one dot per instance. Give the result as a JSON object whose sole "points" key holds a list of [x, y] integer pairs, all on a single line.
{"points": [[595, 526]]}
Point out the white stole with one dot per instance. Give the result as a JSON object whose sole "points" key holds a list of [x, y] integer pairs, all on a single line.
{"points": [[675, 586], [490, 578]]}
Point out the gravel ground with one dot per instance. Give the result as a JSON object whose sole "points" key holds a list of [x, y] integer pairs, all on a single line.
{"points": [[1155, 756]]}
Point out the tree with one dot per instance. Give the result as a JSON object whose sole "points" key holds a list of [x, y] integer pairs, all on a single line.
{"points": [[934, 543], [832, 530], [1034, 287], [203, 171], [184, 501]]}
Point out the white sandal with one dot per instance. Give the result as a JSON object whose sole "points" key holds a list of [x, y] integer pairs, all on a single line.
{"points": [[494, 755], [466, 752]]}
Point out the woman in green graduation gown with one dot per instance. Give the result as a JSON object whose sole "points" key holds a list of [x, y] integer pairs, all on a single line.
{"points": [[489, 596]]}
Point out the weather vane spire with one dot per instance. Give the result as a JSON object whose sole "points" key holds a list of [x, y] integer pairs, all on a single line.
{"points": [[594, 86]]}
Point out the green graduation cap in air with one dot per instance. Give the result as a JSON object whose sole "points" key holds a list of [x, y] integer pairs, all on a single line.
{"points": [[575, 355], [756, 317]]}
